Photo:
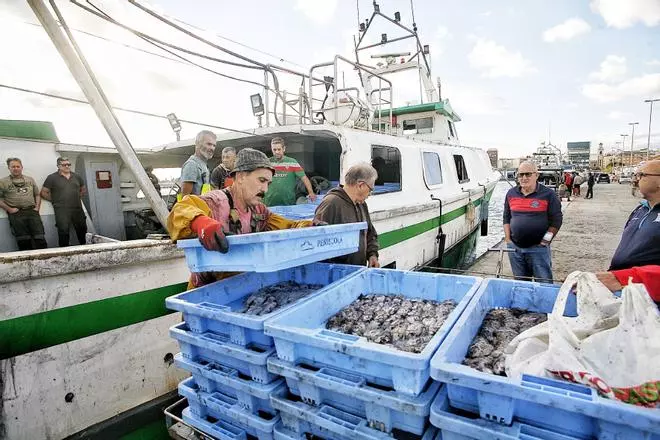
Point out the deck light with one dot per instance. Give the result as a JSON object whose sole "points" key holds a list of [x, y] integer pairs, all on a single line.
{"points": [[383, 38], [257, 104], [175, 124], [397, 16]]}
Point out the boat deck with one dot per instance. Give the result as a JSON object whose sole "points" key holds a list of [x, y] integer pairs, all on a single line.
{"points": [[588, 237]]}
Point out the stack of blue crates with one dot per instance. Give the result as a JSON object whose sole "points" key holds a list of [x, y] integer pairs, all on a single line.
{"points": [[226, 351], [344, 387], [477, 405]]}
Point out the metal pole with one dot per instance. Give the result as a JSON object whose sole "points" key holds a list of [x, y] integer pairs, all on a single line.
{"points": [[648, 139], [94, 96], [266, 98], [632, 140]]}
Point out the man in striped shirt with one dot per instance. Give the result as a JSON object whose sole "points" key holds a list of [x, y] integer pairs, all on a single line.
{"points": [[532, 218], [282, 191]]}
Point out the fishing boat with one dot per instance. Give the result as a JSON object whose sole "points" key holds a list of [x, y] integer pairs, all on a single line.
{"points": [[85, 344]]}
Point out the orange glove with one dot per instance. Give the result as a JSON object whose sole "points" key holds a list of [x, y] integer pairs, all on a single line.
{"points": [[210, 234]]}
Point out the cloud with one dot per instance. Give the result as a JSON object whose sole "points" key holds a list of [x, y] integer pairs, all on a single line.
{"points": [[639, 87], [320, 12], [653, 63], [470, 99], [616, 115], [495, 60], [440, 39], [612, 68], [621, 14], [567, 30]]}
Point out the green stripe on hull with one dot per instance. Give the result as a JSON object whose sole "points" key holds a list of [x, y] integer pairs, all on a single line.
{"points": [[41, 330], [391, 238]]}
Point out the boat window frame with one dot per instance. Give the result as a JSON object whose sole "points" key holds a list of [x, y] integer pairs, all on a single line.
{"points": [[464, 167], [442, 179], [400, 169]]}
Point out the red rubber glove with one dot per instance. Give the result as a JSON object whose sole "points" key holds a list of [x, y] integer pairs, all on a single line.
{"points": [[210, 234]]}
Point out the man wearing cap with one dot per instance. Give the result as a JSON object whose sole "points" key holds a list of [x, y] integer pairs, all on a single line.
{"points": [[238, 209]]}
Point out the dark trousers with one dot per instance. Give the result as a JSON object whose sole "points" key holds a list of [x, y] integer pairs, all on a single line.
{"points": [[64, 219], [590, 192], [28, 229]]}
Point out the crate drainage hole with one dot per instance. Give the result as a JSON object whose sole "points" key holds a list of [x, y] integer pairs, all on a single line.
{"points": [[380, 387], [308, 367]]}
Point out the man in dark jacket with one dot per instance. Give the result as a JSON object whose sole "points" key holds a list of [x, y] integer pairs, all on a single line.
{"points": [[590, 186], [346, 204]]}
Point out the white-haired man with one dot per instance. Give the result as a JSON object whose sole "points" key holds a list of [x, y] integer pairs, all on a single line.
{"points": [[346, 204], [195, 171]]}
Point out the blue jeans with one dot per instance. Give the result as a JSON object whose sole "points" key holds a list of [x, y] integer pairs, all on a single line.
{"points": [[535, 261]]}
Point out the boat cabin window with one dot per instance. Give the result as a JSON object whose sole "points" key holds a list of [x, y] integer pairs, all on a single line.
{"points": [[418, 126], [387, 162], [432, 169], [461, 169], [452, 130]]}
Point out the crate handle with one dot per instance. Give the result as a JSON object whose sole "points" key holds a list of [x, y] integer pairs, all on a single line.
{"points": [[221, 400], [558, 387], [211, 306], [341, 377], [337, 336], [221, 370], [528, 432], [224, 429], [339, 417]]}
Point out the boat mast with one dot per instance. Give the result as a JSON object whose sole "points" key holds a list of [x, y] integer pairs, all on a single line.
{"points": [[84, 76]]}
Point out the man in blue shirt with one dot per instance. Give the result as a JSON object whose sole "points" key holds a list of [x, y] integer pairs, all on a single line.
{"points": [[532, 218]]}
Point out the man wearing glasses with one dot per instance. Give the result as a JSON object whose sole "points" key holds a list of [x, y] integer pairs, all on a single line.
{"points": [[532, 218], [346, 204], [19, 196], [63, 189], [638, 254]]}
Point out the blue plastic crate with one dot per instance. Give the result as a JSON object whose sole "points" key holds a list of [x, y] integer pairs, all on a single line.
{"points": [[274, 250], [301, 337], [211, 377], [215, 307], [212, 347], [303, 211], [299, 419], [453, 426], [223, 407], [560, 406], [384, 410]]}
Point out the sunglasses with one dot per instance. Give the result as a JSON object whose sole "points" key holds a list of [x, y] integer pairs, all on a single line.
{"points": [[525, 174], [640, 175], [65, 164], [371, 189]]}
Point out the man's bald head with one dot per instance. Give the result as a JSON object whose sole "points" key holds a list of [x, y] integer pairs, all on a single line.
{"points": [[528, 167], [652, 167]]}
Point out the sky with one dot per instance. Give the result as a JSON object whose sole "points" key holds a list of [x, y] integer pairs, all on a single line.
{"points": [[518, 72]]}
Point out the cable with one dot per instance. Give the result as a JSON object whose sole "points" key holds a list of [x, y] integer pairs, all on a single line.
{"points": [[238, 43], [127, 110], [193, 35], [149, 37]]}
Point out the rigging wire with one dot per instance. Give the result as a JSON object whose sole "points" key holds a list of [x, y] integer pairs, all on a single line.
{"points": [[170, 45], [99, 13], [127, 110], [186, 60]]}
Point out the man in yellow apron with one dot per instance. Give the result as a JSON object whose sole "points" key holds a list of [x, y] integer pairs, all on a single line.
{"points": [[238, 209]]}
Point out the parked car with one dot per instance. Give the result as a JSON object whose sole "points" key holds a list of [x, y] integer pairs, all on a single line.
{"points": [[603, 178], [625, 178]]}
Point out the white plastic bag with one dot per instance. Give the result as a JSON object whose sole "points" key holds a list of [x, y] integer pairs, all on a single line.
{"points": [[612, 345]]}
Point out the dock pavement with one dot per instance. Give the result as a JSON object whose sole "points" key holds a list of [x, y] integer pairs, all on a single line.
{"points": [[588, 237]]}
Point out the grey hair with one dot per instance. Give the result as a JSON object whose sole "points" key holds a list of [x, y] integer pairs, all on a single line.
{"points": [[229, 150], [14, 159], [361, 171], [532, 164], [200, 137]]}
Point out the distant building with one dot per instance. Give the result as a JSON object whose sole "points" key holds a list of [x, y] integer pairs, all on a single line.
{"points": [[508, 164], [492, 153], [579, 153]]}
